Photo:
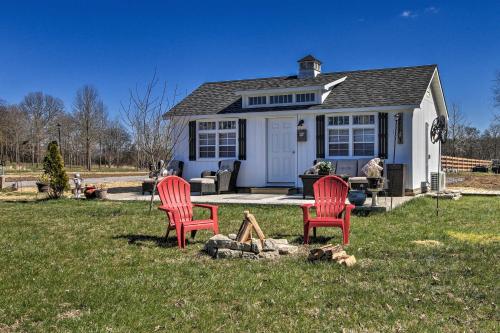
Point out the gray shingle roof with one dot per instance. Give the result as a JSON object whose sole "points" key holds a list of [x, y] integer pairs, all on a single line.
{"points": [[366, 88], [309, 58]]}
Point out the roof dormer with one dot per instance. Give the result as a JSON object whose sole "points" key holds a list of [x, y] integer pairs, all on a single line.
{"points": [[309, 67]]}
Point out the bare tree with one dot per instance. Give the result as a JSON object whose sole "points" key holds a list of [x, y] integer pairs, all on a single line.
{"points": [[3, 127], [155, 135], [88, 109], [116, 143], [14, 130], [456, 130], [490, 140], [41, 110], [101, 127]]}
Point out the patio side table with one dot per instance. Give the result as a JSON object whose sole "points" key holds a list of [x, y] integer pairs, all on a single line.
{"points": [[203, 185]]}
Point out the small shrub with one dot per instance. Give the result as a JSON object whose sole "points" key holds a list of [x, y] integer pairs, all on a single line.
{"points": [[53, 167]]}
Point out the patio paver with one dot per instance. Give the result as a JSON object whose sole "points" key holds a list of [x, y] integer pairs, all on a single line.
{"points": [[259, 199]]}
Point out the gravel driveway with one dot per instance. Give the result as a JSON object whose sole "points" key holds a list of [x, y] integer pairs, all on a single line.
{"points": [[110, 179]]}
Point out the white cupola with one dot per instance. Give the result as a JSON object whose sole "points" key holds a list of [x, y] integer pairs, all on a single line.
{"points": [[309, 67]]}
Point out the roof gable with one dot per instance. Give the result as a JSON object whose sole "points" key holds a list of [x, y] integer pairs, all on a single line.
{"points": [[365, 88]]}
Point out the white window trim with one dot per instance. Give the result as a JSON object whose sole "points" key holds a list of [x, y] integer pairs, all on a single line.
{"points": [[339, 127], [266, 97], [351, 127], [317, 98], [314, 101], [216, 132], [279, 104], [374, 140]]}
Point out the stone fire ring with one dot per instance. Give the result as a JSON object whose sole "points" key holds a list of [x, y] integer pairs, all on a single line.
{"points": [[226, 247]]}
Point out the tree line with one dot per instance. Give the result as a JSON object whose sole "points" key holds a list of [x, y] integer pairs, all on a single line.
{"points": [[86, 134], [467, 141], [141, 136]]}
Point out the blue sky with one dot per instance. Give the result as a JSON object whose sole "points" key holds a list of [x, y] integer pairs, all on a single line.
{"points": [[56, 47]]}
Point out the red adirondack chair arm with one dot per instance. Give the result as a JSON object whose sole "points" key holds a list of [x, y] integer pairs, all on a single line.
{"points": [[213, 210], [166, 209], [305, 209], [348, 209], [172, 214]]}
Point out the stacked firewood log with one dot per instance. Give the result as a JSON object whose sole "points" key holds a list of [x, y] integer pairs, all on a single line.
{"points": [[332, 252]]}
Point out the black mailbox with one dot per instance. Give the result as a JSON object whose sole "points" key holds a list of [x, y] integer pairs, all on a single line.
{"points": [[301, 135]]}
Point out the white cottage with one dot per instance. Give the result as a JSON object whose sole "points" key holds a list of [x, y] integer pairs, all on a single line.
{"points": [[278, 126]]}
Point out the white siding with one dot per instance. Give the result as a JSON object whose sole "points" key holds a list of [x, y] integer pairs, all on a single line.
{"points": [[253, 171], [306, 151], [403, 150], [426, 114]]}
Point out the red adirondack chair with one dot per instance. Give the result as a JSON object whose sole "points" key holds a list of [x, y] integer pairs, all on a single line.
{"points": [[330, 193], [176, 202]]}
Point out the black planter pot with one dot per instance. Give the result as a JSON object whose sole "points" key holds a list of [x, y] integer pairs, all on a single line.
{"points": [[323, 173], [374, 182], [357, 197], [42, 187]]}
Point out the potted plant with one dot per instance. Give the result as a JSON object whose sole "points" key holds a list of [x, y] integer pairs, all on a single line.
{"points": [[324, 168], [101, 192], [42, 183]]}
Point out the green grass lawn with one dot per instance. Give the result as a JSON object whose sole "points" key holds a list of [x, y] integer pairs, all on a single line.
{"points": [[102, 266]]}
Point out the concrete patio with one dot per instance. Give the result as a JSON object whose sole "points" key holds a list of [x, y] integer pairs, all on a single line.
{"points": [[259, 199]]}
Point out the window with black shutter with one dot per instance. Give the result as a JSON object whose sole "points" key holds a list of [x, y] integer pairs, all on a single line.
{"points": [[192, 140], [382, 135], [242, 139], [320, 136]]}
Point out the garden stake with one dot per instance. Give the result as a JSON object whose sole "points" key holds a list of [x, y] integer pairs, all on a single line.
{"points": [[439, 131]]}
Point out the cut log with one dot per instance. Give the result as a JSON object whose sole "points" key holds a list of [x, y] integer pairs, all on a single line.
{"points": [[332, 253], [349, 261], [247, 226], [244, 234], [325, 252], [255, 225]]}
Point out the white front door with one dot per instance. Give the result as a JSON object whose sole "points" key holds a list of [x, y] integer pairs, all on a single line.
{"points": [[281, 145]]}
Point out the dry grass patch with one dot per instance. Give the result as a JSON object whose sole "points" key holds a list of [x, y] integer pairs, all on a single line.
{"points": [[474, 238], [70, 314], [488, 181], [427, 242]]}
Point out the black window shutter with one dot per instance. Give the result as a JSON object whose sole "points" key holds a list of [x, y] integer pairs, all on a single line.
{"points": [[192, 140], [400, 128], [320, 136], [242, 139], [382, 135]]}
